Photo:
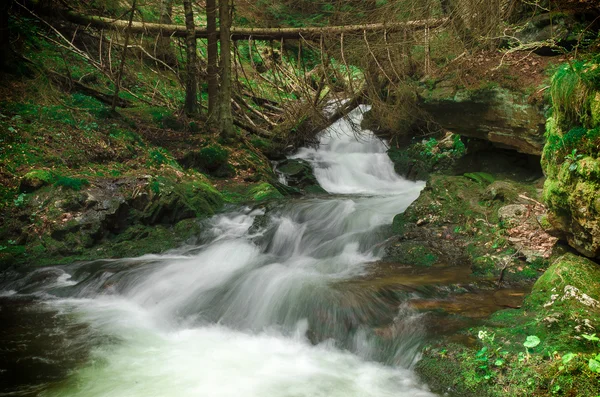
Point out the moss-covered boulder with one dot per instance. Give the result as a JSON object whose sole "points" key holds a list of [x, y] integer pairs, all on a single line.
{"points": [[212, 159], [263, 192], [106, 217], [571, 160], [299, 174], [460, 221], [35, 180]]}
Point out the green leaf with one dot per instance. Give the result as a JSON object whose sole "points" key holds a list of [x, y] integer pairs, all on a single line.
{"points": [[481, 352], [531, 341], [499, 362], [594, 365], [568, 357], [591, 338]]}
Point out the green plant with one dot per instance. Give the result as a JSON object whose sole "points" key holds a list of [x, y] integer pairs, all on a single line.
{"points": [[572, 158], [20, 200]]}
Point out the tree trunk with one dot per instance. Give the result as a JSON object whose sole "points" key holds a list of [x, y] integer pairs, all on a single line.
{"points": [[123, 58], [191, 79], [163, 49], [225, 116], [5, 51], [456, 18], [213, 69]]}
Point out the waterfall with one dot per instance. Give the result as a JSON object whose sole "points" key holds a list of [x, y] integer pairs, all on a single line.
{"points": [[260, 306]]}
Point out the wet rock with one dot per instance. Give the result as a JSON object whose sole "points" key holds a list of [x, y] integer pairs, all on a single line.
{"points": [[114, 217], [299, 174]]}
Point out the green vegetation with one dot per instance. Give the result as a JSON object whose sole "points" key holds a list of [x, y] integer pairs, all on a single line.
{"points": [[570, 158], [544, 349], [81, 179], [420, 159]]}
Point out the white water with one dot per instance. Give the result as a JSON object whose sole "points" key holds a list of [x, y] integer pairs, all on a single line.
{"points": [[351, 163], [254, 311]]}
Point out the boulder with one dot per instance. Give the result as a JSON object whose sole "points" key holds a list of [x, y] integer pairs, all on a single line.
{"points": [[494, 114], [571, 161], [299, 174]]}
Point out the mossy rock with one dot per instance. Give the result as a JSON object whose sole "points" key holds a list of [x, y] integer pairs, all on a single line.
{"points": [[411, 253], [595, 110], [212, 159], [502, 191], [299, 174], [419, 159], [177, 201], [568, 270], [562, 306], [572, 196], [35, 180], [263, 192]]}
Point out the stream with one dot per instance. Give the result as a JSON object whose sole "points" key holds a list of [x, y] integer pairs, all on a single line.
{"points": [[264, 305]]}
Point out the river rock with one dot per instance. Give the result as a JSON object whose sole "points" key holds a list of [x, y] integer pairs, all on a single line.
{"points": [[299, 174]]}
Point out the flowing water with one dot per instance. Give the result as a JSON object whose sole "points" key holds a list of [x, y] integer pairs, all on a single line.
{"points": [[260, 307]]}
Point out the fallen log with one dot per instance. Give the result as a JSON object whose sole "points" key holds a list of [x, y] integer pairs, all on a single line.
{"points": [[106, 98], [252, 129], [307, 33]]}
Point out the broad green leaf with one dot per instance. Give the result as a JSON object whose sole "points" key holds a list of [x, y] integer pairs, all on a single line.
{"points": [[531, 341], [594, 365]]}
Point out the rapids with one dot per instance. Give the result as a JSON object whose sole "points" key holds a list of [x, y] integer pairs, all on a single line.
{"points": [[257, 308]]}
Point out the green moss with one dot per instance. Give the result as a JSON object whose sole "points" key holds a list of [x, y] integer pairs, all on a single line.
{"points": [[264, 191], [414, 254], [213, 156], [43, 175], [71, 183], [571, 270]]}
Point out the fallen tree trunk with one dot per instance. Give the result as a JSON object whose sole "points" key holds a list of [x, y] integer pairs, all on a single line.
{"points": [[253, 129], [347, 107], [75, 85], [307, 33]]}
